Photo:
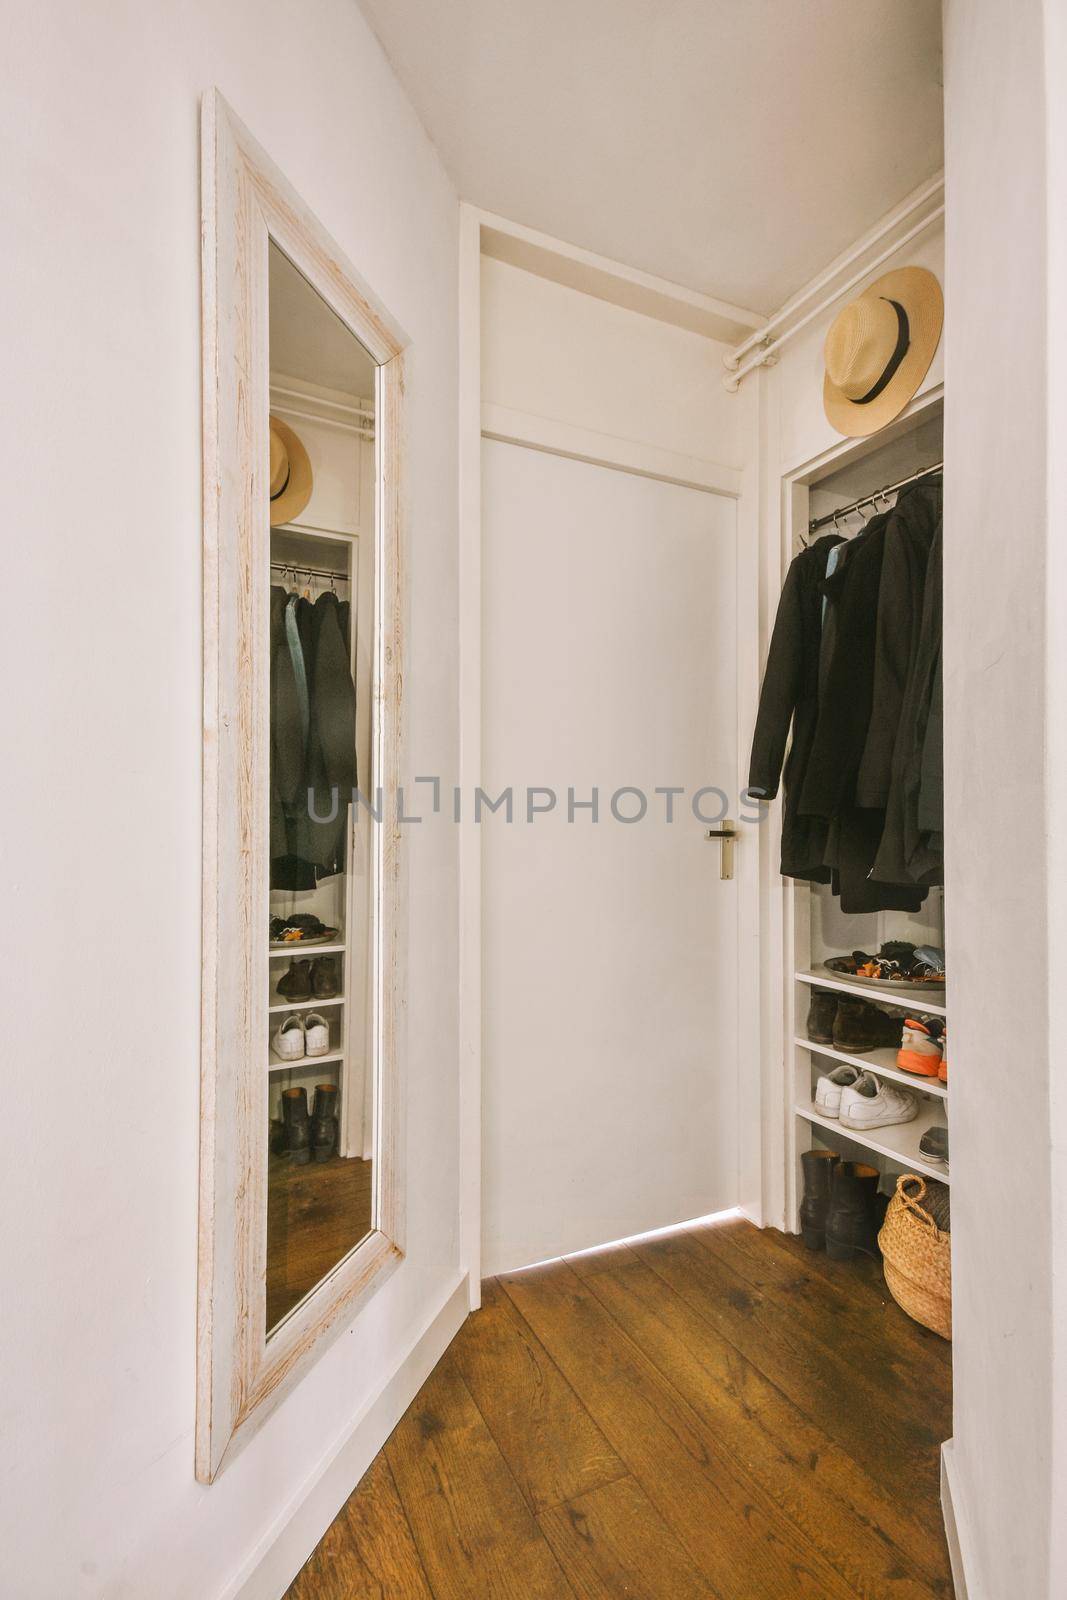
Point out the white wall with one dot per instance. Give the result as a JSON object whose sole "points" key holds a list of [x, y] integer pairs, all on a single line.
{"points": [[101, 828], [1004, 841], [1056, 733], [554, 352]]}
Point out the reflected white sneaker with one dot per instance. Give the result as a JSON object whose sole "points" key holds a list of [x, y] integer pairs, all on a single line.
{"points": [[870, 1103], [288, 1041], [828, 1089], [316, 1034]]}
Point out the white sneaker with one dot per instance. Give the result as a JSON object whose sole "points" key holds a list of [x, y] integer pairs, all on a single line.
{"points": [[289, 1041], [869, 1103], [317, 1034], [828, 1089]]}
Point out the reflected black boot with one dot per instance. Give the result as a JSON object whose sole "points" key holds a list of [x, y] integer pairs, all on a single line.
{"points": [[297, 1127], [324, 1122], [852, 1224], [818, 1170]]}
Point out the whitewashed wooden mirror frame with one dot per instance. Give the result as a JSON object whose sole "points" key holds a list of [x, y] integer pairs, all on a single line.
{"points": [[241, 1373]]}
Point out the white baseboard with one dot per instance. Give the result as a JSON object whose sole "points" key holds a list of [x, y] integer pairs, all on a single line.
{"points": [[957, 1527], [293, 1535]]}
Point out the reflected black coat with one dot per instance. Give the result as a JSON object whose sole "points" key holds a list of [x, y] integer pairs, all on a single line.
{"points": [[316, 759]]}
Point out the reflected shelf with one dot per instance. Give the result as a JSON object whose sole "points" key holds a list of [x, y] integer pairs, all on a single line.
{"points": [[298, 948], [303, 1063], [314, 1003]]}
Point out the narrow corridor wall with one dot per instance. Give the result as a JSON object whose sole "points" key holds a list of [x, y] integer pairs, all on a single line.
{"points": [[101, 811]]}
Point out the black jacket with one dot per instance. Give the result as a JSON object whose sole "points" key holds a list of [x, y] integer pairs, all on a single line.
{"points": [[908, 538], [907, 851], [790, 694], [845, 705], [313, 738]]}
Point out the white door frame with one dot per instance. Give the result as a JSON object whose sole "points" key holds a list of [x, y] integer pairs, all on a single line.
{"points": [[623, 455]]}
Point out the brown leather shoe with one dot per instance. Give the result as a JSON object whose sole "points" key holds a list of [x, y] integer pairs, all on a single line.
{"points": [[325, 978], [821, 1014], [859, 1027], [296, 983]]}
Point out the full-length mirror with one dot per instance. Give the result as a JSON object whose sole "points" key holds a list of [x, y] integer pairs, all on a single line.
{"points": [[302, 1193], [320, 1164]]}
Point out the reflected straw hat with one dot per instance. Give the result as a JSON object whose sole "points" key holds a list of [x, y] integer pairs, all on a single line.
{"points": [[879, 348], [290, 474]]}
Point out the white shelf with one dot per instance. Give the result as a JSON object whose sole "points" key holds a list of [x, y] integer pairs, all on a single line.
{"points": [[899, 996], [900, 1143], [882, 1063], [315, 1003], [303, 1063], [302, 950]]}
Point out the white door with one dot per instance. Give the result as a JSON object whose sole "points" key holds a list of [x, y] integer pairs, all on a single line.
{"points": [[610, 947]]}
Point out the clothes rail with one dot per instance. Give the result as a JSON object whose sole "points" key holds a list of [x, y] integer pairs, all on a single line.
{"points": [[871, 499], [298, 570]]}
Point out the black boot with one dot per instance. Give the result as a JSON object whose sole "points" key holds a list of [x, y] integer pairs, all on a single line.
{"points": [[297, 1127], [852, 1223], [324, 1122], [818, 1171]]}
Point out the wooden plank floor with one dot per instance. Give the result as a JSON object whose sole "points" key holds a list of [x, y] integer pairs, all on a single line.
{"points": [[714, 1413]]}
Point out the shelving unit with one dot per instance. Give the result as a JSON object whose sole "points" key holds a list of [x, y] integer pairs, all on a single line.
{"points": [[898, 1144], [305, 951], [929, 1003], [881, 1062], [312, 1004], [304, 1063]]}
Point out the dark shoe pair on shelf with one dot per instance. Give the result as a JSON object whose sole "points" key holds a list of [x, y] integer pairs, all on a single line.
{"points": [[841, 1211], [306, 980], [301, 1136], [854, 1026]]}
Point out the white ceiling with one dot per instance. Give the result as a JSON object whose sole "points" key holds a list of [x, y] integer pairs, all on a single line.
{"points": [[734, 146]]}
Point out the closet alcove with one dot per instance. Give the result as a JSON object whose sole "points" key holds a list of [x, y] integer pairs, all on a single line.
{"points": [[817, 928]]}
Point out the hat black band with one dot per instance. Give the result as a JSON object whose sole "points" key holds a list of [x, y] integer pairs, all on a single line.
{"points": [[285, 485], [903, 340]]}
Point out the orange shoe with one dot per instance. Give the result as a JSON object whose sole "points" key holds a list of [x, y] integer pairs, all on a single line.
{"points": [[942, 1070], [920, 1051]]}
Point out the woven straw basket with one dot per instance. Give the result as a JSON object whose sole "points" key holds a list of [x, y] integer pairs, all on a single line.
{"points": [[917, 1258]]}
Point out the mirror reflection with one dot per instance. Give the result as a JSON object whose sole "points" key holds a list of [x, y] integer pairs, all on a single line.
{"points": [[321, 1147]]}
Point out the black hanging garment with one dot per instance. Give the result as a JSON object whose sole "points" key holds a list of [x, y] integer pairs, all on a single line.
{"points": [[908, 541], [907, 849], [844, 719], [313, 739], [790, 694]]}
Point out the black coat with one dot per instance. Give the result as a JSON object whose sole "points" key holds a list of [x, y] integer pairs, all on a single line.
{"points": [[907, 851], [313, 738], [790, 694], [845, 704], [908, 538]]}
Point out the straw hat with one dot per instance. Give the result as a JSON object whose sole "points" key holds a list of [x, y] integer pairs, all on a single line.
{"points": [[879, 350], [290, 474]]}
